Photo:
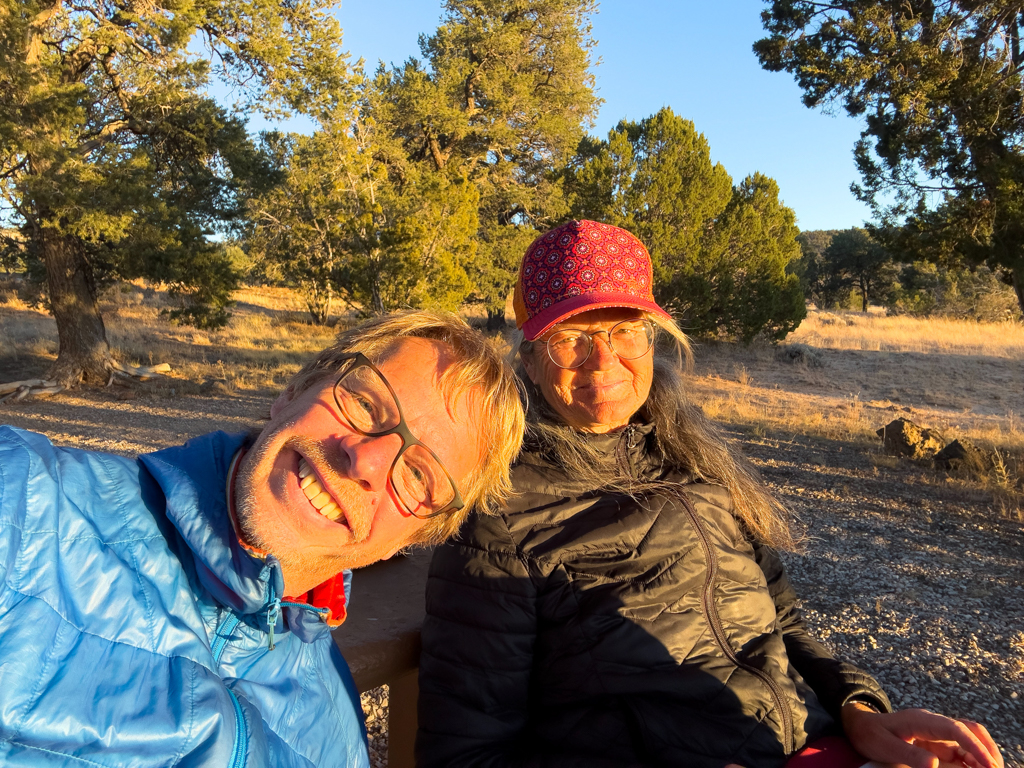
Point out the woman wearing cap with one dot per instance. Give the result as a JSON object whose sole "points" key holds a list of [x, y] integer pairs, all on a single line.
{"points": [[628, 607]]}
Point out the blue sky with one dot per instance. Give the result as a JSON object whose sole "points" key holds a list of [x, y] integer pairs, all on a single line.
{"points": [[695, 57]]}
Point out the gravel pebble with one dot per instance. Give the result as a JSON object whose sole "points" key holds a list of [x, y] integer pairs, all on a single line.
{"points": [[375, 706]]}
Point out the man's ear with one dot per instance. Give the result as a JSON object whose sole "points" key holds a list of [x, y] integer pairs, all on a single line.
{"points": [[282, 400], [395, 551]]}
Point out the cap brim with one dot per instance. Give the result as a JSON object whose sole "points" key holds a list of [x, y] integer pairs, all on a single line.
{"points": [[540, 323]]}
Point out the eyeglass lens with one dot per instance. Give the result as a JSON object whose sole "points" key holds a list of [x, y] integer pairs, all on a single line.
{"points": [[417, 475], [630, 339]]}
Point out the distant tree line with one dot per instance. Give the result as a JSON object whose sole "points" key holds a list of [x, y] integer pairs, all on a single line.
{"points": [[851, 268]]}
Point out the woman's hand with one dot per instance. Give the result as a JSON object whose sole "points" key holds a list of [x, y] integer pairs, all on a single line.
{"points": [[919, 738]]}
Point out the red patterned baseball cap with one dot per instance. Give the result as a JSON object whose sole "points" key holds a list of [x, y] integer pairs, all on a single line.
{"points": [[579, 266]]}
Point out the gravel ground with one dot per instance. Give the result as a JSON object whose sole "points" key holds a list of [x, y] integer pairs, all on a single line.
{"points": [[916, 581], [375, 706], [911, 578]]}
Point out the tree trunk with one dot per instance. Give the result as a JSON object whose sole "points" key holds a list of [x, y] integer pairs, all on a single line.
{"points": [[376, 300], [495, 319], [83, 351], [318, 301], [1018, 284]]}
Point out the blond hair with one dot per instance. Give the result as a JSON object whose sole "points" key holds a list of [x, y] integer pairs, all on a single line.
{"points": [[689, 441], [478, 366]]}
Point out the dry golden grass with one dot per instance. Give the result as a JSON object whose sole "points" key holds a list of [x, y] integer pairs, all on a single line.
{"points": [[265, 342], [963, 378], [877, 332]]}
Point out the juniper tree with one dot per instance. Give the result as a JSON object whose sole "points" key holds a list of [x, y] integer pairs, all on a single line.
{"points": [[113, 160], [939, 85], [720, 252], [354, 219], [500, 97]]}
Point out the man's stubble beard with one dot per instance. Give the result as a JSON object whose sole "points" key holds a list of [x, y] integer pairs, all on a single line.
{"points": [[257, 526], [255, 472]]}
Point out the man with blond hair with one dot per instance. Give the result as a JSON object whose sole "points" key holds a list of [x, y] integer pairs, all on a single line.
{"points": [[176, 609]]}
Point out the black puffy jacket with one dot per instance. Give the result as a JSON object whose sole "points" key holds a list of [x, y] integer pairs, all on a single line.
{"points": [[580, 628]]}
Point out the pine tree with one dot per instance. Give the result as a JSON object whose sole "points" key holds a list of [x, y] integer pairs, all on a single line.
{"points": [[720, 253], [854, 259], [113, 160], [940, 86], [500, 98]]}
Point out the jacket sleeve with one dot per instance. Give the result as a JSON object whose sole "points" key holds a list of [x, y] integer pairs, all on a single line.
{"points": [[834, 682], [477, 658]]}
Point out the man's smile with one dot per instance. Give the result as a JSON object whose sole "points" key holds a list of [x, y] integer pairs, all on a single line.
{"points": [[321, 500]]}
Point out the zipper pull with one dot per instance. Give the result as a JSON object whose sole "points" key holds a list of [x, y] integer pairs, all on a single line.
{"points": [[273, 614]]}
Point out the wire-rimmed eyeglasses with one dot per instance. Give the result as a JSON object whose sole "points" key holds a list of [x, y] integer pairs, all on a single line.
{"points": [[417, 476], [572, 347]]}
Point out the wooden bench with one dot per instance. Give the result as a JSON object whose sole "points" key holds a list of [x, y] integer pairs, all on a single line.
{"points": [[380, 640]]}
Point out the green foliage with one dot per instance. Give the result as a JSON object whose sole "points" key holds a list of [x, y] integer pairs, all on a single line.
{"points": [[926, 288], [810, 267], [939, 83], [856, 260], [720, 252], [500, 99], [352, 219], [113, 160], [12, 251]]}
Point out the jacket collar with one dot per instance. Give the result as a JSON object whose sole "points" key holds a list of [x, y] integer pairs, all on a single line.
{"points": [[631, 453], [195, 481], [193, 478]]}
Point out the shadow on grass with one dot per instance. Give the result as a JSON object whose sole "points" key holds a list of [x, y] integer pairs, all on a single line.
{"points": [[23, 366]]}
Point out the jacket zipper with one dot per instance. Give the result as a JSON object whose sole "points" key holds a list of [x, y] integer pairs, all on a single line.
{"points": [[241, 746], [223, 632], [240, 751], [711, 612]]}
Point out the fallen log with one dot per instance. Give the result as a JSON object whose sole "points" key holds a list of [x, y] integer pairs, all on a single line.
{"points": [[46, 391], [143, 372], [19, 390], [13, 386]]}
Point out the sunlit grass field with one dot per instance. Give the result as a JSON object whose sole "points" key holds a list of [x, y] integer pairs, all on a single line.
{"points": [[877, 332]]}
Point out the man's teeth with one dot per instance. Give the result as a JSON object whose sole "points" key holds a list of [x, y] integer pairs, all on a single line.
{"points": [[318, 497]]}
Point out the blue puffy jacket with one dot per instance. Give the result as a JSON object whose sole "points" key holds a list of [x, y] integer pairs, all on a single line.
{"points": [[134, 628]]}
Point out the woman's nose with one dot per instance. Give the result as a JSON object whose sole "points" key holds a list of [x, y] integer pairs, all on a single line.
{"points": [[602, 357]]}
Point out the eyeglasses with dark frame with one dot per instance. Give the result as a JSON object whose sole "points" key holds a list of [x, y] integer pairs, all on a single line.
{"points": [[630, 339], [420, 482]]}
